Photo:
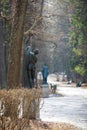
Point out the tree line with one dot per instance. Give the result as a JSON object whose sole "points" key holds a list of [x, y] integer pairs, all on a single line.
{"points": [[12, 24], [78, 38]]}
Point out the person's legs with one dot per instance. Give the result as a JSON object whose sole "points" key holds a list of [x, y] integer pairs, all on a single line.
{"points": [[29, 78], [45, 80], [32, 77]]}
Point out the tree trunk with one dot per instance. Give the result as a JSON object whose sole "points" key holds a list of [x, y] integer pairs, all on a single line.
{"points": [[13, 5], [2, 58], [42, 3], [14, 62]]}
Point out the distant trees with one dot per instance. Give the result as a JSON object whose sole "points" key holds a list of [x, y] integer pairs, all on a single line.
{"points": [[78, 37]]}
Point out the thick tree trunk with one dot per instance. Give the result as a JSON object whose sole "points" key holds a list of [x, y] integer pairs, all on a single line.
{"points": [[13, 77], [2, 58]]}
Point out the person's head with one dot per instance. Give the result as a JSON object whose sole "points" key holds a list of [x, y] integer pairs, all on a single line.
{"points": [[45, 64], [36, 51]]}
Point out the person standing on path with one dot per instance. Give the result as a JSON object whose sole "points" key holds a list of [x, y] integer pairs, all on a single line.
{"points": [[31, 66], [45, 72]]}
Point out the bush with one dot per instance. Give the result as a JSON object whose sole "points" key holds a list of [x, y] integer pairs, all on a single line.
{"points": [[17, 103], [17, 106]]}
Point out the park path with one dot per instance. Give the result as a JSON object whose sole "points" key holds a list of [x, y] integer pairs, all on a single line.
{"points": [[69, 106]]}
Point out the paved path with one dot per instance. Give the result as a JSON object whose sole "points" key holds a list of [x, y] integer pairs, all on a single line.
{"points": [[69, 108]]}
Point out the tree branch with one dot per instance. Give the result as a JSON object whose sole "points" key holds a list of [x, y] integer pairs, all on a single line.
{"points": [[8, 18], [30, 31]]}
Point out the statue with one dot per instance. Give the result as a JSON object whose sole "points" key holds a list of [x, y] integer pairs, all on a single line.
{"points": [[45, 72], [31, 65]]}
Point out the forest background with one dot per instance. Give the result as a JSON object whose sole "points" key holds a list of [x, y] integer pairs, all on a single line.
{"points": [[63, 49]]}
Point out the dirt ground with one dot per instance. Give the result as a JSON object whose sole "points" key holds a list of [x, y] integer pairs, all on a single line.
{"points": [[39, 125]]}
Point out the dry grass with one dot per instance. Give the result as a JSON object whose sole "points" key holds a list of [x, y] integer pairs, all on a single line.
{"points": [[17, 124], [25, 124], [17, 106], [11, 99], [35, 125]]}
